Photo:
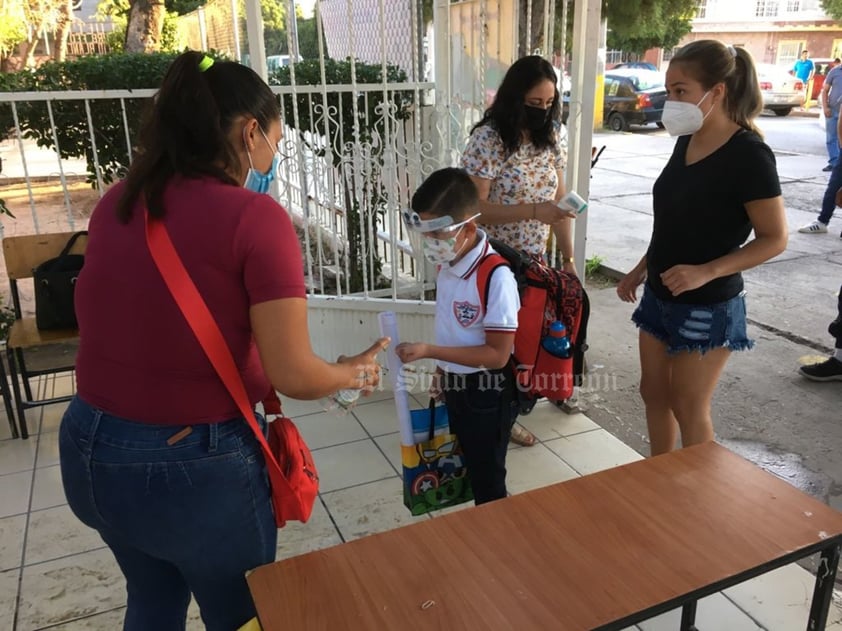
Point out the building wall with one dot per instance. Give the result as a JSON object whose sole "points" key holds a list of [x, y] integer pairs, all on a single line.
{"points": [[771, 47], [777, 37]]}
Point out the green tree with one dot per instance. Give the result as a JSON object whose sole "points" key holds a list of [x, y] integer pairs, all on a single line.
{"points": [[638, 25], [118, 12], [145, 25], [833, 8], [183, 6], [12, 29], [143, 17], [308, 39], [634, 25]]}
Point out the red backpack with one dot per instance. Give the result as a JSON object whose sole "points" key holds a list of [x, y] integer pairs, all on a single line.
{"points": [[546, 295]]}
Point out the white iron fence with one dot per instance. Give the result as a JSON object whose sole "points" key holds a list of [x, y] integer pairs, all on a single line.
{"points": [[343, 181]]}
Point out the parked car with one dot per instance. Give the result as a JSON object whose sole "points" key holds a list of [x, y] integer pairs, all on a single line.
{"points": [[781, 91], [633, 97], [273, 62], [640, 65]]}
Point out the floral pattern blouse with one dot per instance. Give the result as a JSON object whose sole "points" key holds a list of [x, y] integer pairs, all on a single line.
{"points": [[527, 176]]}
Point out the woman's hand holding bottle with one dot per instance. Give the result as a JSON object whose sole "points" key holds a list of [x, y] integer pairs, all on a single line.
{"points": [[550, 213]]}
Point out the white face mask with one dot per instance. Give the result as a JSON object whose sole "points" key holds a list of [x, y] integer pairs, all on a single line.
{"points": [[681, 119], [440, 251]]}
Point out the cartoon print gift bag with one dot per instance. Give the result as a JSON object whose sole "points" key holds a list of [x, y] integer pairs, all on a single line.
{"points": [[434, 472]]}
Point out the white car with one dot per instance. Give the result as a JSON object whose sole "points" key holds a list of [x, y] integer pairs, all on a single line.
{"points": [[564, 80], [273, 62], [781, 91]]}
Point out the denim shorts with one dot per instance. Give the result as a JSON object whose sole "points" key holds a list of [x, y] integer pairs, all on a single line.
{"points": [[687, 327]]}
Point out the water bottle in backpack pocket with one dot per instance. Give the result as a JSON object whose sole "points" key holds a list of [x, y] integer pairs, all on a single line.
{"points": [[552, 324]]}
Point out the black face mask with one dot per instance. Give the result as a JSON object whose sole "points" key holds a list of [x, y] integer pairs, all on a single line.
{"points": [[536, 117]]}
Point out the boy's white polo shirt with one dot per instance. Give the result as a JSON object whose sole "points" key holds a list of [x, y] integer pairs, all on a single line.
{"points": [[459, 317]]}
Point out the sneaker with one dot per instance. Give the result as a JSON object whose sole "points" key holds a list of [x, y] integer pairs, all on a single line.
{"points": [[828, 168], [815, 227], [829, 370]]}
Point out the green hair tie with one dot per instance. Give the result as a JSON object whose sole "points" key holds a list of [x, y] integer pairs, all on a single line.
{"points": [[206, 63]]}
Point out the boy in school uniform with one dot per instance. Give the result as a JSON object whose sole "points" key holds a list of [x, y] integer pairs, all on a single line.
{"points": [[473, 347]]}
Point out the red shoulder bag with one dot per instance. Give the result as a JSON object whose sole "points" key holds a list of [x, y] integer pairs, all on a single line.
{"points": [[292, 472]]}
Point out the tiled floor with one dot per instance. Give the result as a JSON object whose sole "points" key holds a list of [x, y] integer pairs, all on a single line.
{"points": [[56, 574]]}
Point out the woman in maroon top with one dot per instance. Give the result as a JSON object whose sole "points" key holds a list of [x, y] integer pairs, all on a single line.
{"points": [[154, 454]]}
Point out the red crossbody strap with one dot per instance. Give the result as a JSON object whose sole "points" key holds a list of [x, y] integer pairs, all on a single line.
{"points": [[199, 317]]}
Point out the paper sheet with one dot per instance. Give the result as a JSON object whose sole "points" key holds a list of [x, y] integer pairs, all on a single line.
{"points": [[389, 328]]}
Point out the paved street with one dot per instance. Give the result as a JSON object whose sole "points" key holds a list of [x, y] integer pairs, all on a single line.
{"points": [[763, 408]]}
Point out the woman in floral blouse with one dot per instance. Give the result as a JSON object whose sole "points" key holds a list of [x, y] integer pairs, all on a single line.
{"points": [[516, 156]]}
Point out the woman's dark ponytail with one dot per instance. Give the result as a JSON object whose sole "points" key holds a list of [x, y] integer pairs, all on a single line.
{"points": [[710, 62], [186, 129]]}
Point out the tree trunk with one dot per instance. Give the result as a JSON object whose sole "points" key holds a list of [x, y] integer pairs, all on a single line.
{"points": [[27, 52], [537, 31], [146, 21], [62, 34]]}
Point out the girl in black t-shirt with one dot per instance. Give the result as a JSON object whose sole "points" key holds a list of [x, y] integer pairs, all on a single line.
{"points": [[719, 185]]}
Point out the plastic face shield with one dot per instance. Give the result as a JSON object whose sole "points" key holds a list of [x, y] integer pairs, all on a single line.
{"points": [[437, 228]]}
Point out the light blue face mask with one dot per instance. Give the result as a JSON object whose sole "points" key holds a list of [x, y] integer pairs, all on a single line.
{"points": [[255, 180]]}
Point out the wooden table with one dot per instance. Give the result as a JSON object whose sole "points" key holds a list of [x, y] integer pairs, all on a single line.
{"points": [[600, 552]]}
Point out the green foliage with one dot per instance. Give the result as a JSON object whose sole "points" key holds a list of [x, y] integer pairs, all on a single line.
{"points": [[12, 28], [637, 25], [341, 106], [833, 8], [7, 319], [367, 204], [118, 12], [96, 72], [427, 11], [592, 265], [308, 40], [170, 37], [183, 6]]}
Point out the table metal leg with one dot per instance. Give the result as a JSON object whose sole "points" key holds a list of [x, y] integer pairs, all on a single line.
{"points": [[823, 592], [688, 616]]}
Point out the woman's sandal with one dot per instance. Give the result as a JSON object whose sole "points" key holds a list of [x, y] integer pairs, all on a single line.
{"points": [[521, 436]]}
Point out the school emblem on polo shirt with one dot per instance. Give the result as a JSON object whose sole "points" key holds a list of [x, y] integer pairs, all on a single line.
{"points": [[466, 313]]}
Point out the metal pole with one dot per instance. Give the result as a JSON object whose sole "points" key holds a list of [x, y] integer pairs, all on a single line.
{"points": [[586, 34], [548, 52], [235, 25], [203, 28], [564, 36], [528, 48], [443, 74], [292, 22], [257, 47]]}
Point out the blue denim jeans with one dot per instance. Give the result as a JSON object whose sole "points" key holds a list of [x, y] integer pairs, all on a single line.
{"points": [[685, 327], [191, 515], [829, 199], [832, 137]]}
